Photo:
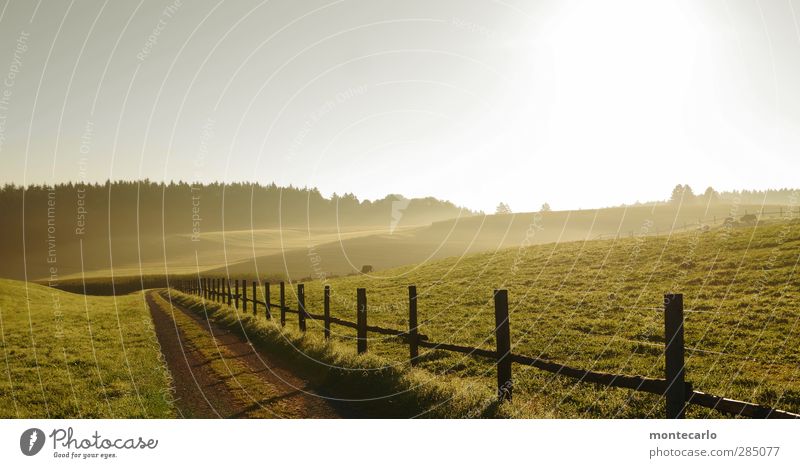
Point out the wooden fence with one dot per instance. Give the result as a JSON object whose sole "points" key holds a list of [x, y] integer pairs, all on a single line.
{"points": [[678, 393]]}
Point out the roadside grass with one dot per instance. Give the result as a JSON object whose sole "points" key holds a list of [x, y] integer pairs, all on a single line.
{"points": [[371, 385], [65, 355], [597, 305]]}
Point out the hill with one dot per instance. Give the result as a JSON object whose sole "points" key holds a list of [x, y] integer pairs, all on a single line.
{"points": [[72, 356], [596, 304], [468, 235]]}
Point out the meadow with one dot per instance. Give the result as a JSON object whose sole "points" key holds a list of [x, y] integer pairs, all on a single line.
{"points": [[68, 355], [597, 305], [591, 304]]}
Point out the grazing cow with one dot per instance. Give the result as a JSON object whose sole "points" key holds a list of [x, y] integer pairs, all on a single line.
{"points": [[749, 219], [366, 269]]}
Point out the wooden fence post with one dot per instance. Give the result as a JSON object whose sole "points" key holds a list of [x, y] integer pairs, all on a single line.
{"points": [[301, 307], [361, 319], [503, 338], [267, 298], [326, 310], [674, 369], [255, 299], [236, 296], [244, 295], [282, 293], [413, 338], [230, 296]]}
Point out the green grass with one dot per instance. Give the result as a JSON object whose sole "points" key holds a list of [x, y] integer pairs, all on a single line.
{"points": [[65, 355], [593, 305], [597, 305]]}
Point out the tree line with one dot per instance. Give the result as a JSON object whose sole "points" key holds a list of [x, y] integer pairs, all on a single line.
{"points": [[683, 194], [177, 207]]}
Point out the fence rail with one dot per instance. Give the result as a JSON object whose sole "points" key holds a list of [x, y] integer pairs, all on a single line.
{"points": [[677, 392]]}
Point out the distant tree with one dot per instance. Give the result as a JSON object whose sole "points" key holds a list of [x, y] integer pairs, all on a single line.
{"points": [[502, 208], [688, 194], [545, 207], [677, 193], [710, 195], [682, 194]]}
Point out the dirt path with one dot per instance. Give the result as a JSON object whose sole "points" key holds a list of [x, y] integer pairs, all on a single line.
{"points": [[218, 375]]}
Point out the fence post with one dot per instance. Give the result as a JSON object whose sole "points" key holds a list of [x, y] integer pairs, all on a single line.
{"points": [[230, 296], [675, 372], [301, 307], [503, 338], [267, 298], [255, 299], [361, 319], [412, 324], [283, 303], [236, 296], [326, 310], [244, 295]]}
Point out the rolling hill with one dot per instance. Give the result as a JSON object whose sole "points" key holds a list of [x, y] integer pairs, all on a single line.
{"points": [[596, 305]]}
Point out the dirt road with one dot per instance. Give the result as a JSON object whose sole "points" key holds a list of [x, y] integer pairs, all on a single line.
{"points": [[218, 375]]}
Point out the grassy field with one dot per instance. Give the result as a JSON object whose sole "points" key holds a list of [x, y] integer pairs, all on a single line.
{"points": [[65, 355], [593, 304], [597, 305], [470, 235]]}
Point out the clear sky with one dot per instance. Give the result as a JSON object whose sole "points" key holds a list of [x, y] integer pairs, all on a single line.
{"points": [[577, 103]]}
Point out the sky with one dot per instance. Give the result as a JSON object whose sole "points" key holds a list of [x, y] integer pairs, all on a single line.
{"points": [[576, 103]]}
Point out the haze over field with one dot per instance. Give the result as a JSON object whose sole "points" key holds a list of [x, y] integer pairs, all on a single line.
{"points": [[134, 229]]}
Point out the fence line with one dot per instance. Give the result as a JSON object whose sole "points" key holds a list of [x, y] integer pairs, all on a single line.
{"points": [[678, 392]]}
